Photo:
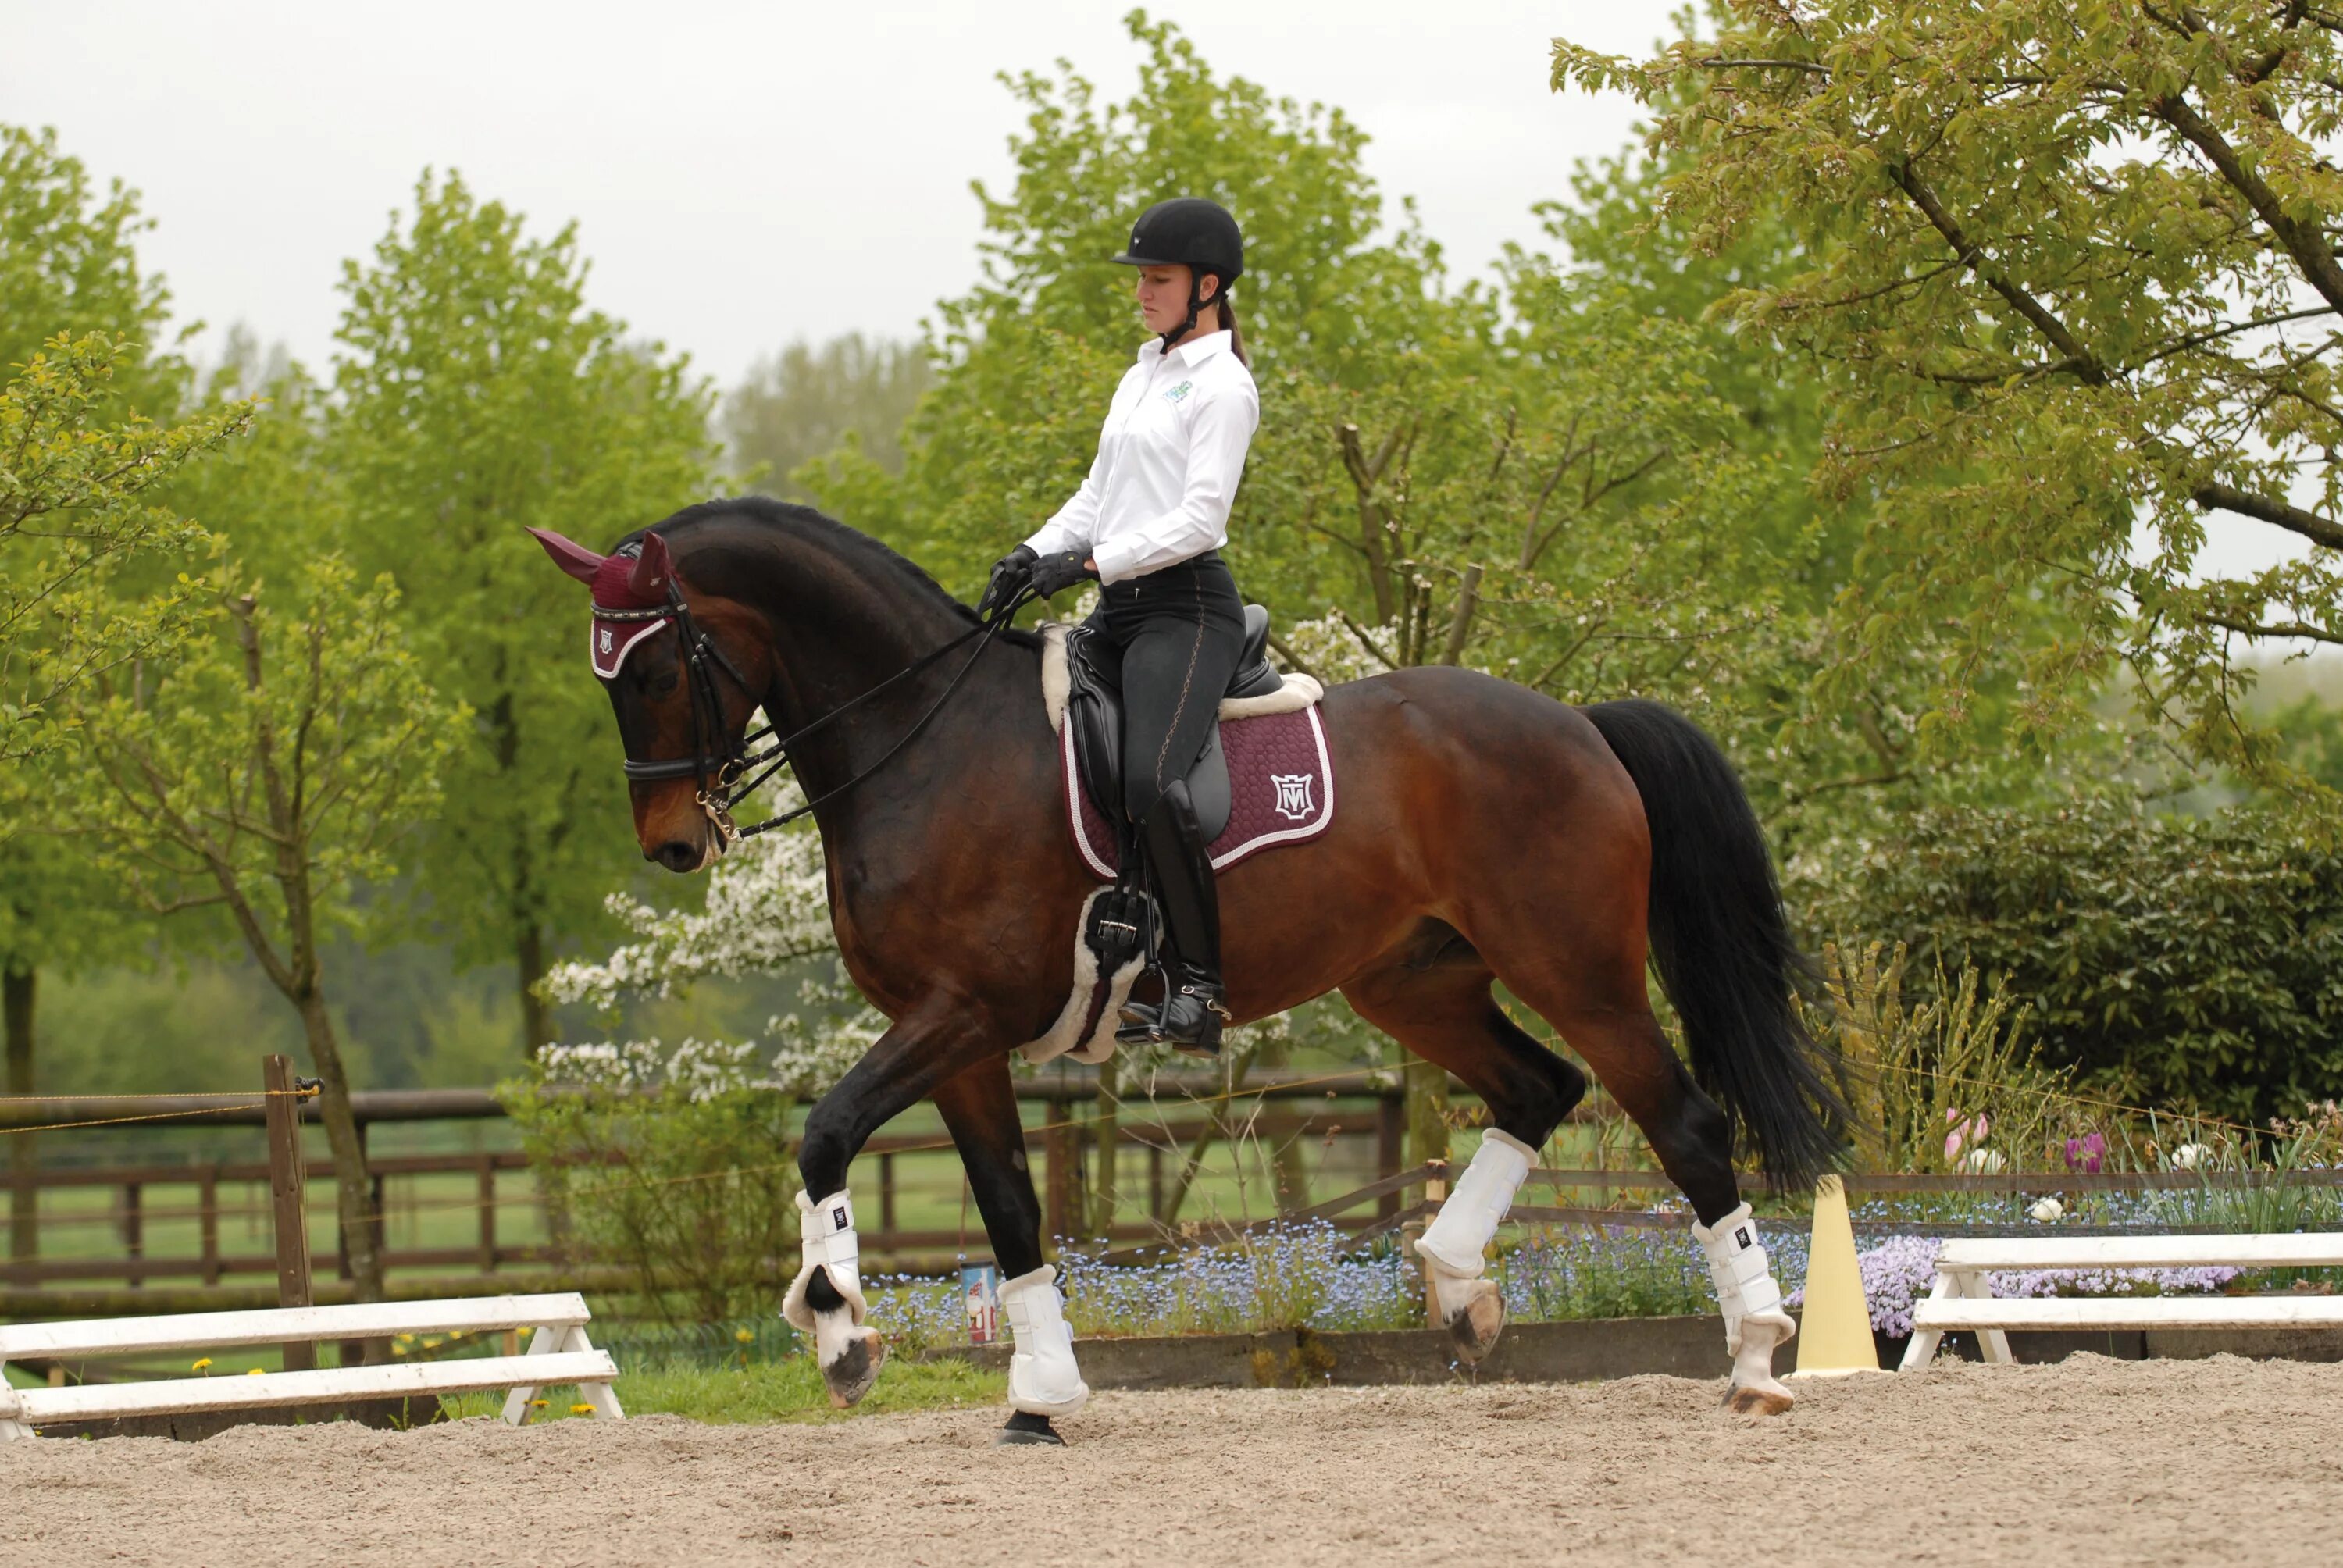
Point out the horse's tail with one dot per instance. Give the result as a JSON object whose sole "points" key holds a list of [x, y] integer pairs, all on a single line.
{"points": [[1721, 943]]}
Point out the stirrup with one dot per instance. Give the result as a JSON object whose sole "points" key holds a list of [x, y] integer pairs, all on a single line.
{"points": [[1189, 1018]]}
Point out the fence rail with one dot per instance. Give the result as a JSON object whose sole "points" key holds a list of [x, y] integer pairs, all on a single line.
{"points": [[1275, 1107]]}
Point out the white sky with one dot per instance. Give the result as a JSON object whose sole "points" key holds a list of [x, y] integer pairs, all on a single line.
{"points": [[741, 173]]}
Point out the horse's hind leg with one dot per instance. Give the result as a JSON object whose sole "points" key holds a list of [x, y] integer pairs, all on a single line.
{"points": [[979, 1109], [1436, 1002], [1603, 1010]]}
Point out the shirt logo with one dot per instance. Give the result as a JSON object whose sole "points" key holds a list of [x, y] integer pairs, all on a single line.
{"points": [[1294, 795], [1179, 392]]}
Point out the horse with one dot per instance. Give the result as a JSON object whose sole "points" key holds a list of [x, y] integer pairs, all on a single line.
{"points": [[1488, 833]]}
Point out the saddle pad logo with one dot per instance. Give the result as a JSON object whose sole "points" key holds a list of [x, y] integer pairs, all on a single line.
{"points": [[1293, 802]]}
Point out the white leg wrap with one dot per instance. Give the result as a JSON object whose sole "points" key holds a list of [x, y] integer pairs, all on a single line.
{"points": [[1744, 1278], [1042, 1377], [1459, 1234], [826, 1240]]}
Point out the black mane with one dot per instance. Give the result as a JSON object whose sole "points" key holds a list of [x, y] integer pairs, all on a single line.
{"points": [[848, 542]]}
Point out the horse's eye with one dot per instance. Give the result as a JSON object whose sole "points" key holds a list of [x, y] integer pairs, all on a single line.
{"points": [[664, 681]]}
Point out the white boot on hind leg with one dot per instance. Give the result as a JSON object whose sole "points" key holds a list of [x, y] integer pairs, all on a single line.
{"points": [[1756, 1324], [850, 1354], [1042, 1377], [1453, 1246]]}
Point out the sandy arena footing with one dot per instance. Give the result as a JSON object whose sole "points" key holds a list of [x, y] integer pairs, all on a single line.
{"points": [[2088, 1461]]}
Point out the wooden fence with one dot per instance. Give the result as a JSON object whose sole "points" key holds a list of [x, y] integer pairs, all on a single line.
{"points": [[1187, 1110]]}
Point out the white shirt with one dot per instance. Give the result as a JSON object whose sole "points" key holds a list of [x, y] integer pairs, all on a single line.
{"points": [[1168, 460]]}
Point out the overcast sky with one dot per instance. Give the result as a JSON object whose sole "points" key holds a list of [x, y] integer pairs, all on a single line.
{"points": [[742, 173]]}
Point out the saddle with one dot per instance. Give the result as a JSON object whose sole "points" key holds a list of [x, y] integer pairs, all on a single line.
{"points": [[1094, 713]]}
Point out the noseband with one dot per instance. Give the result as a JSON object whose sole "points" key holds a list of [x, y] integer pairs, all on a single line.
{"points": [[719, 765]]}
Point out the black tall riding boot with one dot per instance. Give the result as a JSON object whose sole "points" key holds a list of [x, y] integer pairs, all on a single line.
{"points": [[1195, 1004]]}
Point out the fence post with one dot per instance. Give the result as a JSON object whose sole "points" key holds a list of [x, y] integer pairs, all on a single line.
{"points": [[286, 1191], [207, 1221], [488, 1188], [1056, 1148], [1435, 1187], [887, 1194], [1391, 1124], [134, 1230], [24, 1177]]}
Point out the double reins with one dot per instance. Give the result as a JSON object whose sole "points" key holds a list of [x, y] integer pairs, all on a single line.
{"points": [[720, 774]]}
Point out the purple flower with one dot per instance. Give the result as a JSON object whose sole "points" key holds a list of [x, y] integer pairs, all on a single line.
{"points": [[2087, 1152]]}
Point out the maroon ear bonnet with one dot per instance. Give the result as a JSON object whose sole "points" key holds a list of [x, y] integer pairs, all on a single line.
{"points": [[625, 585]]}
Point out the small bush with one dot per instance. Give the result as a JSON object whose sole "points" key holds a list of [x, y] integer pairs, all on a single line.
{"points": [[2169, 962], [674, 1165]]}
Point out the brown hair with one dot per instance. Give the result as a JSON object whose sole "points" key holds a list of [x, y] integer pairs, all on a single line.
{"points": [[1229, 326]]}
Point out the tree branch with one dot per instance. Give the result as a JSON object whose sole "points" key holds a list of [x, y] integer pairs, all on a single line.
{"points": [[2319, 531], [2279, 628], [2303, 241], [2085, 364]]}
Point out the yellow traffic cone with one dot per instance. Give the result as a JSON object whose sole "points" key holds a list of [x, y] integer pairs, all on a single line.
{"points": [[1835, 1334]]}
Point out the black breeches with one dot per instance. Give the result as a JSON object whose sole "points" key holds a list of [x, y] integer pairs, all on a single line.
{"points": [[1181, 631]]}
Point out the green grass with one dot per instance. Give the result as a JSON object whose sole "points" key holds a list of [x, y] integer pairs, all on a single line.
{"points": [[788, 1389]]}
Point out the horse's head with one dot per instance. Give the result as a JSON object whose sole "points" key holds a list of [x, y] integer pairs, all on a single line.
{"points": [[682, 719]]}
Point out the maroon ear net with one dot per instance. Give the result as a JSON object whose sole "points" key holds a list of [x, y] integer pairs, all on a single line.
{"points": [[651, 569], [569, 556]]}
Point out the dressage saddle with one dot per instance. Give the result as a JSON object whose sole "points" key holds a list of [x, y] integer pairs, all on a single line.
{"points": [[1094, 711]]}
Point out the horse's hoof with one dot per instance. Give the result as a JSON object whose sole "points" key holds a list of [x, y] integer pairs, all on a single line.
{"points": [[1025, 1430], [1475, 1326], [849, 1377], [1755, 1398]]}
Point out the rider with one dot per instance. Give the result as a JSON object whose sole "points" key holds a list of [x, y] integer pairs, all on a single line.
{"points": [[1148, 524]]}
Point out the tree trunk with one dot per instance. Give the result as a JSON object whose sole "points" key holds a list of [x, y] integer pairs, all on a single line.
{"points": [[352, 1193], [21, 988], [535, 1017], [1427, 1111]]}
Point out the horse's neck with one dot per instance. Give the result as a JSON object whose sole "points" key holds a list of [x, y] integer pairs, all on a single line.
{"points": [[837, 637]]}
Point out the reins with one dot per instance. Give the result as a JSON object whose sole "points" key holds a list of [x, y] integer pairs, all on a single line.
{"points": [[721, 786]]}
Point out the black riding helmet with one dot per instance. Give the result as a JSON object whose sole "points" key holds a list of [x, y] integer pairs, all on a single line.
{"points": [[1193, 232]]}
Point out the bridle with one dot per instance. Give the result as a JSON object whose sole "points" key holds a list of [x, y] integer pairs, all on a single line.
{"points": [[720, 766]]}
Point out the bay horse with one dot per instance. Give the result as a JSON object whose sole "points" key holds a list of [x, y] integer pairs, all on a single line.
{"points": [[1486, 834]]}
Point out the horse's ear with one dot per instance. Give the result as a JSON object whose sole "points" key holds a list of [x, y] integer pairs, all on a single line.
{"points": [[652, 569], [568, 555]]}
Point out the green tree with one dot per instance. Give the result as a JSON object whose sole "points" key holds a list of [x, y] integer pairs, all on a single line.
{"points": [[804, 401], [479, 393], [269, 771], [2069, 271], [79, 470]]}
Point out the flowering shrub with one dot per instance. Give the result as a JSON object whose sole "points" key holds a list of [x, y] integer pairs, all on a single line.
{"points": [[1282, 1277], [674, 1165]]}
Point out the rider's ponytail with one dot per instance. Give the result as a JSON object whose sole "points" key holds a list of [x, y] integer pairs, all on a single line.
{"points": [[1236, 337]]}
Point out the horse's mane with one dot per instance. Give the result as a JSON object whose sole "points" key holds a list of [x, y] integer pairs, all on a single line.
{"points": [[852, 544]]}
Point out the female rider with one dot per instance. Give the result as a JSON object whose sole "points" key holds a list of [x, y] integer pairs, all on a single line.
{"points": [[1148, 524]]}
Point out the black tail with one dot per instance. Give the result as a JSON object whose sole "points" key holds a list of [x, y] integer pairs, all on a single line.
{"points": [[1720, 944]]}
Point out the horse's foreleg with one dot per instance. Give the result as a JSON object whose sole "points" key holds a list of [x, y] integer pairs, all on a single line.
{"points": [[980, 1108], [1443, 1012], [906, 1065]]}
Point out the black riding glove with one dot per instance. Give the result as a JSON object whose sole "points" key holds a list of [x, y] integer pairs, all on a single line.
{"points": [[1011, 575], [1054, 573]]}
